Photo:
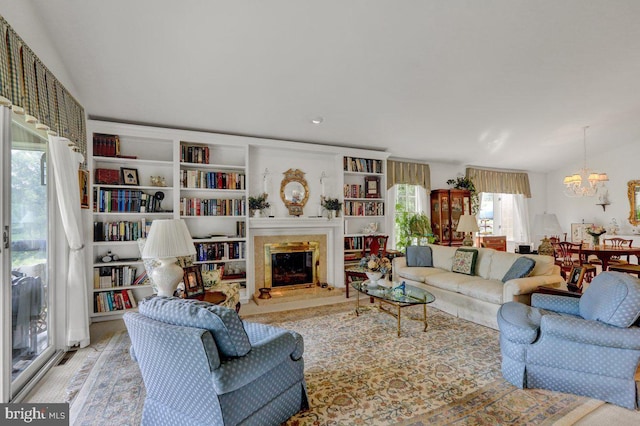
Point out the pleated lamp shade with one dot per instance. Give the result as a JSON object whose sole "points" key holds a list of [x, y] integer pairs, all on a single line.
{"points": [[168, 238]]}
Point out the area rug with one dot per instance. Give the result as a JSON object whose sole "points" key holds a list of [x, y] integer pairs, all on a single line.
{"points": [[359, 372]]}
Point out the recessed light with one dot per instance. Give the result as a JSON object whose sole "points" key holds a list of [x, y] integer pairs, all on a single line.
{"points": [[317, 120]]}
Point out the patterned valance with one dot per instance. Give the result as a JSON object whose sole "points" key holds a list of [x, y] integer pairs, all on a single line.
{"points": [[498, 181], [29, 87], [404, 172]]}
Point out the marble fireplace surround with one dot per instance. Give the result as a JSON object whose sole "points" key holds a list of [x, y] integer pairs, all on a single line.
{"points": [[290, 230]]}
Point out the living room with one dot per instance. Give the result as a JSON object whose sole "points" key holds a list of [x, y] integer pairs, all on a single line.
{"points": [[502, 86]]}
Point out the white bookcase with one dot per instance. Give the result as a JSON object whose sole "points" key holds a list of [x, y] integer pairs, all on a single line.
{"points": [[208, 193]]}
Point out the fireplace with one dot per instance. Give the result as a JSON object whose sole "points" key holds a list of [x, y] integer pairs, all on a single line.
{"points": [[291, 265]]}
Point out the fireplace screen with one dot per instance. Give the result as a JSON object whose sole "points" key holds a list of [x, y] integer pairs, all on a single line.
{"points": [[291, 265]]}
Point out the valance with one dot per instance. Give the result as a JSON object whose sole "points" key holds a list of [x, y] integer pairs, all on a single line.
{"points": [[404, 172], [28, 86], [500, 182]]}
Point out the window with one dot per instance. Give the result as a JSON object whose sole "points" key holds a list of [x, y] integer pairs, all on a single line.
{"points": [[504, 214], [409, 199]]}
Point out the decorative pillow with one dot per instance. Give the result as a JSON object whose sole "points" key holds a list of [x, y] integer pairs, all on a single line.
{"points": [[464, 261], [223, 323], [521, 268], [419, 256], [612, 298]]}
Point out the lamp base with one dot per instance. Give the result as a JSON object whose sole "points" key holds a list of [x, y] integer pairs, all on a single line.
{"points": [[468, 240], [545, 248], [167, 276]]}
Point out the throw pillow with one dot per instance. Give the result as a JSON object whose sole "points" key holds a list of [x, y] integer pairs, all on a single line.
{"points": [[419, 256], [521, 268], [464, 261]]}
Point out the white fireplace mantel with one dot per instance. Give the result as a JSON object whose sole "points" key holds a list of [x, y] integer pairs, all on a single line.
{"points": [[293, 222]]}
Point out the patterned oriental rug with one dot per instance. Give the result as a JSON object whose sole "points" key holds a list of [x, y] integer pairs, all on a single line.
{"points": [[359, 372]]}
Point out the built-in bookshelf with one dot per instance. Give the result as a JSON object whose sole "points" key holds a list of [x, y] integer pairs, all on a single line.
{"points": [[140, 174]]}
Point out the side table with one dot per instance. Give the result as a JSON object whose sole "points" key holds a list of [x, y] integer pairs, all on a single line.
{"points": [[558, 291]]}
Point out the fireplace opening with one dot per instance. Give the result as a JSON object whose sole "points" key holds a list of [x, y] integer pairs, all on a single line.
{"points": [[291, 265], [291, 268]]}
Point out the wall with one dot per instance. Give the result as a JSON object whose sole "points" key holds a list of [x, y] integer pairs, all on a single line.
{"points": [[621, 165]]}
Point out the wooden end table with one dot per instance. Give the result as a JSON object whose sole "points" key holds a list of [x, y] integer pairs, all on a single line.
{"points": [[557, 291]]}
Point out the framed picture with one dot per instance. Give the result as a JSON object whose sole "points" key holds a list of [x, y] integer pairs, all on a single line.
{"points": [[579, 233], [575, 278], [372, 187], [83, 179], [193, 285], [129, 176]]}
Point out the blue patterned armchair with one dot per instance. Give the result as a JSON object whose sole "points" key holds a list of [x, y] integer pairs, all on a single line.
{"points": [[202, 365], [588, 346]]}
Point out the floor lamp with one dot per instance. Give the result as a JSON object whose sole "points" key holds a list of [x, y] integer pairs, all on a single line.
{"points": [[167, 240]]}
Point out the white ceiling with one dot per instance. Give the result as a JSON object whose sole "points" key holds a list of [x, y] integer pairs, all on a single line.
{"points": [[495, 83]]}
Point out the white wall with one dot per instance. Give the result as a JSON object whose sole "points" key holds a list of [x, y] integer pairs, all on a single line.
{"points": [[24, 19], [621, 165]]}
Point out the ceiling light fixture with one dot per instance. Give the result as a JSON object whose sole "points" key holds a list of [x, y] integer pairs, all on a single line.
{"points": [[586, 182], [317, 120]]}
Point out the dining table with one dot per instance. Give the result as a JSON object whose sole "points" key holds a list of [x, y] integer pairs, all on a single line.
{"points": [[605, 253]]}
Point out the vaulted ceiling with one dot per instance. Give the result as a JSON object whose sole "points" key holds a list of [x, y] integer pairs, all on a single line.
{"points": [[495, 83]]}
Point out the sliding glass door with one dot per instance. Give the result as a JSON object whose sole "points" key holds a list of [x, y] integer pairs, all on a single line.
{"points": [[27, 211]]}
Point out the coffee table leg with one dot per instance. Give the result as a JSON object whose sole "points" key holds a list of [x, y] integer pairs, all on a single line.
{"points": [[398, 320], [357, 303], [425, 317]]}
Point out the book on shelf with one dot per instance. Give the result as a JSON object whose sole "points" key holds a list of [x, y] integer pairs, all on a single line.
{"points": [[364, 165], [106, 145], [123, 230], [195, 179], [212, 207], [194, 154]]}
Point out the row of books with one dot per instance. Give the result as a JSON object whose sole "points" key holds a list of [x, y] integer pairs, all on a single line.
{"points": [[114, 300], [351, 164], [220, 251], [364, 208], [123, 230], [353, 243], [241, 229], [106, 145], [353, 191], [125, 200], [194, 154], [212, 207], [115, 276], [211, 180]]}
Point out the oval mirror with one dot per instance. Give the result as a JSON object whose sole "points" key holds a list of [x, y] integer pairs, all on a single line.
{"points": [[294, 191]]}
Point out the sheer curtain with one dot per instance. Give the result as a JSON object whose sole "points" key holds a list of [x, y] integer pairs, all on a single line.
{"points": [[521, 219], [65, 164]]}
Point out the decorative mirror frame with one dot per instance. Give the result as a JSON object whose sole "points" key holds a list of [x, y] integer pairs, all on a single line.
{"points": [[633, 189], [291, 175]]}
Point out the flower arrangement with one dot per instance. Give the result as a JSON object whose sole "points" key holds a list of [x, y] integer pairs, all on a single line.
{"points": [[373, 263], [259, 202], [595, 231], [332, 204]]}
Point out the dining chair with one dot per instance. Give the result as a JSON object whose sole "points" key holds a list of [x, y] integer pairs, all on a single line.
{"points": [[375, 244], [568, 256]]}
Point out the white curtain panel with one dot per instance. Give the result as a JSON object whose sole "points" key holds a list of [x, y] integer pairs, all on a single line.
{"points": [[521, 219], [65, 162], [390, 219]]}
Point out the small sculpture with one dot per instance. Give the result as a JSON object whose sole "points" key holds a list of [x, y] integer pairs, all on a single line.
{"points": [[613, 227], [371, 228], [158, 181]]}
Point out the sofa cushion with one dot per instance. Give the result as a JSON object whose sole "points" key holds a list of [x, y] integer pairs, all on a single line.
{"points": [[521, 268], [415, 273], [442, 256], [612, 298], [545, 265], [419, 256], [488, 290], [501, 262], [464, 261], [223, 323], [451, 281]]}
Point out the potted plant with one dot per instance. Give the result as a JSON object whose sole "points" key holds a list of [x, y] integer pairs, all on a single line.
{"points": [[258, 203], [333, 206], [412, 228], [463, 182]]}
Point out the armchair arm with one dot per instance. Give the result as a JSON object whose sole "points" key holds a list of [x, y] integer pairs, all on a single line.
{"points": [[234, 373], [556, 303], [528, 285], [399, 262], [590, 332]]}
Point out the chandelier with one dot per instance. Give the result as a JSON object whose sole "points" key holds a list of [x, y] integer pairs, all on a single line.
{"points": [[586, 182]]}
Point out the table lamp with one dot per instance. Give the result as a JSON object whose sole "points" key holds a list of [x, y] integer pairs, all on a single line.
{"points": [[546, 224], [168, 239], [467, 223]]}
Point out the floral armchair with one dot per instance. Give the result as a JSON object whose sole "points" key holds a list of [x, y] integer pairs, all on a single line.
{"points": [[211, 279], [588, 346]]}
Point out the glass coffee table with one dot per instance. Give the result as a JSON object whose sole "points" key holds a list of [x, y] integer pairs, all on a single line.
{"points": [[388, 296]]}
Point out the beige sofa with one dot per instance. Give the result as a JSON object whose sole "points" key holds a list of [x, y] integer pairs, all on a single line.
{"points": [[477, 298]]}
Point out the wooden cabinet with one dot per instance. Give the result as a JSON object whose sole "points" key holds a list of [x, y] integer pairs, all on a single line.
{"points": [[496, 242], [447, 205]]}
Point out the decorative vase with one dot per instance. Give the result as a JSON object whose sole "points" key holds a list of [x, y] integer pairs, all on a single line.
{"points": [[374, 276], [330, 214], [596, 241], [257, 213]]}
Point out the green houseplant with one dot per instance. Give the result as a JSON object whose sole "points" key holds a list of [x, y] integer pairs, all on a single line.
{"points": [[332, 205], [463, 182], [258, 203], [412, 228]]}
